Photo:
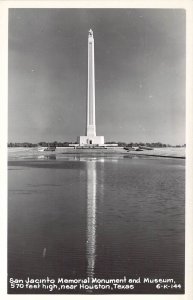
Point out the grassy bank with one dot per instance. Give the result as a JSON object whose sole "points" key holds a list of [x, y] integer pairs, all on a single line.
{"points": [[25, 153]]}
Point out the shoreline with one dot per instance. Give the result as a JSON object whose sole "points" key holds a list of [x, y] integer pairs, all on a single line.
{"points": [[164, 156], [33, 153]]}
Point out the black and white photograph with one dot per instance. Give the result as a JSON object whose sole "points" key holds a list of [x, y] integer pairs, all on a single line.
{"points": [[96, 150]]}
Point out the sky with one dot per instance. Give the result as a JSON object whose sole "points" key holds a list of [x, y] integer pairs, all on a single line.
{"points": [[139, 74]]}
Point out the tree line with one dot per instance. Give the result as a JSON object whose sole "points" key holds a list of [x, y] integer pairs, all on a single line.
{"points": [[66, 144]]}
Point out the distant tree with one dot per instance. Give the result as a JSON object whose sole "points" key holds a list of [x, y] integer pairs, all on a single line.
{"points": [[135, 144], [122, 144], [43, 144], [53, 144], [66, 144], [113, 142], [130, 145]]}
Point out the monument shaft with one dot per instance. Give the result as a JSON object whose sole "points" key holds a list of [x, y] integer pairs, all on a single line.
{"points": [[91, 126], [90, 137]]}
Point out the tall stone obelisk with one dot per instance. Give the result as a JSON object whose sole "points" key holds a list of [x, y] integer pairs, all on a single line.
{"points": [[90, 137], [91, 126]]}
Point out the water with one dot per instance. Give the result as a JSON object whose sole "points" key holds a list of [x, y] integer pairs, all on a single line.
{"points": [[97, 217]]}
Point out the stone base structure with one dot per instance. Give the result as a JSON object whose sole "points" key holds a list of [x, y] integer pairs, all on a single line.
{"points": [[90, 140]]}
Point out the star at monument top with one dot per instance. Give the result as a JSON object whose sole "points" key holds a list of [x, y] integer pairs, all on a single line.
{"points": [[90, 32]]}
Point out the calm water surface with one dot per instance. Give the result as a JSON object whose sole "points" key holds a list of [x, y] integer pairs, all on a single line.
{"points": [[97, 217]]}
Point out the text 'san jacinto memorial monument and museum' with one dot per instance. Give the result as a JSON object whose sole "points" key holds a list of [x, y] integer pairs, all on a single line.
{"points": [[91, 138]]}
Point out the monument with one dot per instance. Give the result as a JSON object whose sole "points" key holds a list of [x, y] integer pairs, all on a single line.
{"points": [[91, 138]]}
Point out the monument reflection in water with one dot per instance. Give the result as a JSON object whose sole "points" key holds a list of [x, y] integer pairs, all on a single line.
{"points": [[93, 188], [91, 217]]}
